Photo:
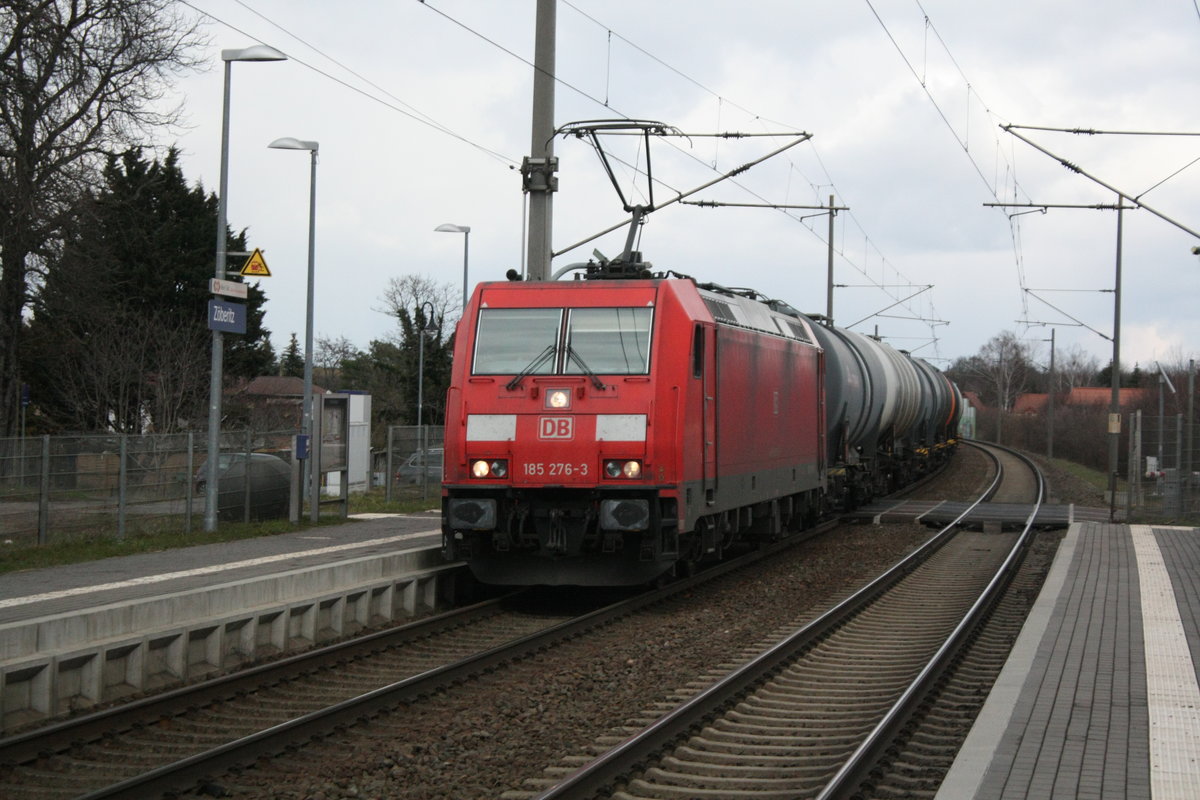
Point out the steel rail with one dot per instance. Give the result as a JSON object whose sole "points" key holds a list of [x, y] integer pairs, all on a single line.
{"points": [[27, 746], [599, 775], [188, 772], [856, 769]]}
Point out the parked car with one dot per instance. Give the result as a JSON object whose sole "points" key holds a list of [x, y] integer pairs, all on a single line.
{"points": [[270, 485], [421, 467]]}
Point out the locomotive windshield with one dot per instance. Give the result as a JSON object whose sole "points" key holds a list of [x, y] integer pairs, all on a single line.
{"points": [[612, 341], [532, 341], [513, 339]]}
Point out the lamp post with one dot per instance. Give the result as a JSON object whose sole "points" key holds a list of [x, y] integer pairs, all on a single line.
{"points": [[428, 329], [314, 478], [465, 230], [258, 52]]}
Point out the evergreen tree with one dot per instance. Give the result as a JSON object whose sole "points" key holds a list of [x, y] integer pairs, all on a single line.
{"points": [[291, 363], [382, 372], [1127, 379], [119, 337], [77, 79], [415, 302], [436, 373]]}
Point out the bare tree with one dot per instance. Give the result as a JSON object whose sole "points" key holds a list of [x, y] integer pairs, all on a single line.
{"points": [[405, 295], [998, 373], [99, 372], [329, 355], [178, 395], [77, 78], [1075, 367], [130, 374], [1005, 362], [406, 299]]}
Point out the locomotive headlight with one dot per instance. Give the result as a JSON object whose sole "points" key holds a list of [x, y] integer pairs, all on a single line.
{"points": [[558, 398], [618, 468], [489, 468]]}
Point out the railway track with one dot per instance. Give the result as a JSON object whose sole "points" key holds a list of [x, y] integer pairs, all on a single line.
{"points": [[815, 715], [172, 742], [94, 755]]}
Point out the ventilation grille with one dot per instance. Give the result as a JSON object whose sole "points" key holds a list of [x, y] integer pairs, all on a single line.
{"points": [[720, 310], [798, 329]]}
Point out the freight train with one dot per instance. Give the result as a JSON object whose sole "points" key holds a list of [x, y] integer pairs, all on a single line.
{"points": [[612, 430]]}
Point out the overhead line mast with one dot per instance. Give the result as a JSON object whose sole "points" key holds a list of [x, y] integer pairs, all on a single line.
{"points": [[538, 168]]}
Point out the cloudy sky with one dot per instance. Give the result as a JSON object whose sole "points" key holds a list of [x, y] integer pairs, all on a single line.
{"points": [[422, 111]]}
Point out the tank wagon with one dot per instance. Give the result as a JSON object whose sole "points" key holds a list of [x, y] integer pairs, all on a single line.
{"points": [[611, 430]]}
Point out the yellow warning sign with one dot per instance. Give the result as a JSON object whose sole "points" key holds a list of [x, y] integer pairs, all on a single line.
{"points": [[256, 265]]}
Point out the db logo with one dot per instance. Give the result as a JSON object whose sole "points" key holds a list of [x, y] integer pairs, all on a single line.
{"points": [[556, 427]]}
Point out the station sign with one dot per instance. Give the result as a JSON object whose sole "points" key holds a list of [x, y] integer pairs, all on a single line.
{"points": [[227, 317], [228, 288]]}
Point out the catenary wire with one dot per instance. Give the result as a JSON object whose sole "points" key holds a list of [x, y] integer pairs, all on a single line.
{"points": [[413, 114]]}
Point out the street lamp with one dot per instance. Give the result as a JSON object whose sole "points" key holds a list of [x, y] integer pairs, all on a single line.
{"points": [[465, 230], [429, 329], [314, 478], [258, 52]]}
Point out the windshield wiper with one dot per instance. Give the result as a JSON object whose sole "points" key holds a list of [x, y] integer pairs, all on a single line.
{"points": [[540, 359], [571, 354]]}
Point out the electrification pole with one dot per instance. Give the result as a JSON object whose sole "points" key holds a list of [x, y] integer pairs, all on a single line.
{"points": [[829, 277], [1114, 411], [538, 168], [1050, 397]]}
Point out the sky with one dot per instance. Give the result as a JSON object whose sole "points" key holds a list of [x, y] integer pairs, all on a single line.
{"points": [[423, 112]]}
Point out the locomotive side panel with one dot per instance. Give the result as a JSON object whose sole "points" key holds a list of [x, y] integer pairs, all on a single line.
{"points": [[770, 425]]}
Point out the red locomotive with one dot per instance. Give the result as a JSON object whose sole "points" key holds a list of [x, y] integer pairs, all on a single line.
{"points": [[605, 431]]}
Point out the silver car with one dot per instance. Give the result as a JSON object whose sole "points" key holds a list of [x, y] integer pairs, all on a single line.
{"points": [[421, 467], [270, 485]]}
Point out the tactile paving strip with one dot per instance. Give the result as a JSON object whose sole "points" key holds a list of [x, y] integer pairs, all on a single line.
{"points": [[1171, 688]]}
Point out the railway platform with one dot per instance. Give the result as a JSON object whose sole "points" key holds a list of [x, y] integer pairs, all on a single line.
{"points": [[1099, 698], [82, 634]]}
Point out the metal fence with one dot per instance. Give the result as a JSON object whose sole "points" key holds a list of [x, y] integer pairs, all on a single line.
{"points": [[1158, 459], [411, 462], [1163, 460], [59, 488]]}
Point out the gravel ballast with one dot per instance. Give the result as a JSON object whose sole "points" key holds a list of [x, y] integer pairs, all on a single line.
{"points": [[486, 737]]}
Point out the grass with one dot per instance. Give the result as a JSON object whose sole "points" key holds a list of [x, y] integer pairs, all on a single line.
{"points": [[91, 548], [1148, 513], [1093, 477]]}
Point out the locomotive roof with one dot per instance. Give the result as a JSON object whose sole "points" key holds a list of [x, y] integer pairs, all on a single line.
{"points": [[738, 308], [742, 311]]}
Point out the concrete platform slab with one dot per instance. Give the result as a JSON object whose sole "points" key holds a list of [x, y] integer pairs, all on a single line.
{"points": [[78, 635], [1099, 698]]}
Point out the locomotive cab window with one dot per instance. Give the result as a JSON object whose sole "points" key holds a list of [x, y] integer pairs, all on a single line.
{"points": [[511, 340], [535, 341], [609, 341]]}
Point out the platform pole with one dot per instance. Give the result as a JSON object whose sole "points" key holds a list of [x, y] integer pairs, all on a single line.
{"points": [[1114, 411]]}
